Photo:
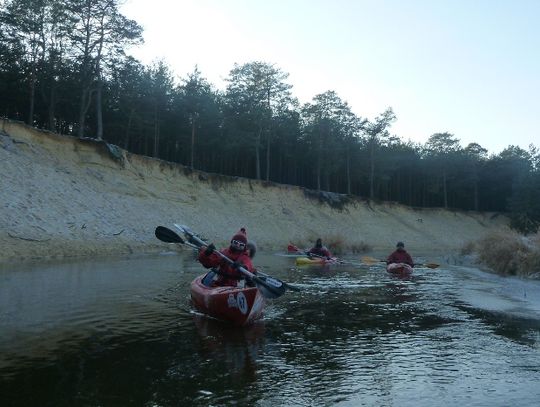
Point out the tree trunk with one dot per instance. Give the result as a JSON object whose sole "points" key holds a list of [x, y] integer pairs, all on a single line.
{"points": [[257, 153], [372, 170], [99, 112], [192, 161], [146, 142], [52, 108], [398, 189], [410, 193], [326, 181], [86, 98], [475, 186], [82, 114], [268, 96], [32, 98], [318, 173], [476, 195], [424, 187], [156, 131], [268, 157], [128, 129], [445, 192], [348, 173]]}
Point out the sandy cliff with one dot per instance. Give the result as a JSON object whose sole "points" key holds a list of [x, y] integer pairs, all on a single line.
{"points": [[61, 196]]}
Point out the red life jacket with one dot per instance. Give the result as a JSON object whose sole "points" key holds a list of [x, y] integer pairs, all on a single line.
{"points": [[227, 274], [400, 256], [320, 251]]}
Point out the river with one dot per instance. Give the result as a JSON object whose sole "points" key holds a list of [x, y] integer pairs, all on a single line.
{"points": [[121, 332]]}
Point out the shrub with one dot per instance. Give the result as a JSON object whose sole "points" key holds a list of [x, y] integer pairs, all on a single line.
{"points": [[361, 247], [467, 249], [510, 254]]}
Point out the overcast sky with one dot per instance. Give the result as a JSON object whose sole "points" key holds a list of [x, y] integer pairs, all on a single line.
{"points": [[468, 67]]}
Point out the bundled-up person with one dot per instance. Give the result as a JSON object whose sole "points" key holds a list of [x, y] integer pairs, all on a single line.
{"points": [[227, 274], [251, 248], [400, 255], [319, 250]]}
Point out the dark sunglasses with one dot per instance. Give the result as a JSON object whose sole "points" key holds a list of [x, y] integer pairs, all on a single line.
{"points": [[238, 244]]}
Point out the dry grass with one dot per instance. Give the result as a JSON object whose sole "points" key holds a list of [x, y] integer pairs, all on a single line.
{"points": [[510, 254], [361, 247], [467, 249], [336, 244]]}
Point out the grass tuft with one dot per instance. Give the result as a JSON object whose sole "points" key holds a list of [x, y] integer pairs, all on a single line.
{"points": [[467, 249], [510, 254]]}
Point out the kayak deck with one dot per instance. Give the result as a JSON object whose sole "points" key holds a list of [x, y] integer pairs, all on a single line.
{"points": [[239, 306], [401, 269], [303, 261]]}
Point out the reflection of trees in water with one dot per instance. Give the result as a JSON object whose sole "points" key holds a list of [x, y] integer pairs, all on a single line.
{"points": [[238, 348], [522, 330], [330, 336], [177, 364], [320, 270]]}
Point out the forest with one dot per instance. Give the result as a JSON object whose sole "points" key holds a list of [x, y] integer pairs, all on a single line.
{"points": [[65, 67]]}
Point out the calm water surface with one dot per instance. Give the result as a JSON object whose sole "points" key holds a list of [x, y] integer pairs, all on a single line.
{"points": [[120, 332]]}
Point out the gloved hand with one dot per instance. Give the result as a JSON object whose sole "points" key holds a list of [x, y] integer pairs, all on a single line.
{"points": [[209, 249], [250, 282], [236, 265]]}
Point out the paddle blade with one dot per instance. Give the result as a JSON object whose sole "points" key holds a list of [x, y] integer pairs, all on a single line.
{"points": [[371, 260], [288, 286], [167, 235], [190, 235], [269, 287], [431, 265]]}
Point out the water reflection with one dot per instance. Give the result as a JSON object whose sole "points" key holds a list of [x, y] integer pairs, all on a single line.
{"points": [[238, 347]]}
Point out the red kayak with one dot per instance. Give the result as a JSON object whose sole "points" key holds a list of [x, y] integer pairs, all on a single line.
{"points": [[240, 306], [292, 249], [401, 269]]}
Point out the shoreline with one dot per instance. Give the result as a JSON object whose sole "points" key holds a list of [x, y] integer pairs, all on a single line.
{"points": [[67, 197]]}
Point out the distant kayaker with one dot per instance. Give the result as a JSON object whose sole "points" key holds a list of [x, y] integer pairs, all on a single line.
{"points": [[251, 248], [400, 255], [319, 250], [228, 274]]}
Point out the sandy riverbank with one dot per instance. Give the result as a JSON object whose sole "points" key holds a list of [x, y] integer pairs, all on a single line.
{"points": [[63, 196]]}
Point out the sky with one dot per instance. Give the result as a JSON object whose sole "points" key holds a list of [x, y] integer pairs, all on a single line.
{"points": [[467, 67]]}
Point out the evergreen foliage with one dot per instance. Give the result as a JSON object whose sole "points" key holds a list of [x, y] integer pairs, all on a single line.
{"points": [[63, 67]]}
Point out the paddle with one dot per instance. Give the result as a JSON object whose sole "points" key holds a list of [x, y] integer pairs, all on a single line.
{"points": [[372, 260], [307, 253], [270, 287], [166, 235], [291, 246]]}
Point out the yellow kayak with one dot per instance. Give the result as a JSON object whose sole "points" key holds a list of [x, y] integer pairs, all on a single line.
{"points": [[303, 261]]}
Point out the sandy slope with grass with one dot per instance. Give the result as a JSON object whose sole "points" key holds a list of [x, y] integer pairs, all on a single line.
{"points": [[63, 196]]}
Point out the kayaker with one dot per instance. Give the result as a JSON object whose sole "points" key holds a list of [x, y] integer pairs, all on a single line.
{"points": [[400, 255], [228, 274], [319, 250], [251, 248]]}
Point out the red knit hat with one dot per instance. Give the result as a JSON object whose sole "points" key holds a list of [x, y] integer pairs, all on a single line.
{"points": [[241, 236]]}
